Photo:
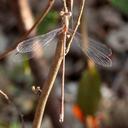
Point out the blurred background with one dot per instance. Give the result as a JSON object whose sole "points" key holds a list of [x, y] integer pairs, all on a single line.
{"points": [[95, 97]]}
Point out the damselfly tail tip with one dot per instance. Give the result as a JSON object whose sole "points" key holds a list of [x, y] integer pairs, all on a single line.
{"points": [[61, 118]]}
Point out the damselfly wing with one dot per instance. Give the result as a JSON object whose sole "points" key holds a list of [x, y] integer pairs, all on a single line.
{"points": [[29, 48], [97, 52], [32, 44]]}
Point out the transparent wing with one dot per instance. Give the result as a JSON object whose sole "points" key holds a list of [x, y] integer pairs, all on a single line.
{"points": [[33, 44], [97, 52], [99, 46], [17, 57], [99, 57]]}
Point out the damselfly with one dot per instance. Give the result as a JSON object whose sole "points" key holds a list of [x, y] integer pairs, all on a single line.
{"points": [[97, 52]]}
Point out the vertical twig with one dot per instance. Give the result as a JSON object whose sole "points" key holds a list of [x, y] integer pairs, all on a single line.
{"points": [[69, 4], [83, 30], [84, 36], [76, 26]]}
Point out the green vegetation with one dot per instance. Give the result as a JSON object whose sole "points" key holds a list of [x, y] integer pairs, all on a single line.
{"points": [[89, 92], [50, 21], [122, 5]]}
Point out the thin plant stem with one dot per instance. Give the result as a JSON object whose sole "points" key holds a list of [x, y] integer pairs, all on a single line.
{"points": [[83, 30], [11, 102], [84, 37], [76, 26], [69, 4], [37, 22]]}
